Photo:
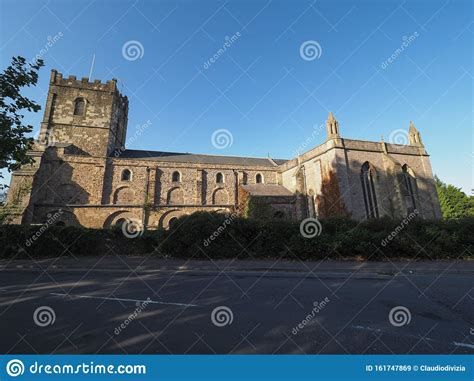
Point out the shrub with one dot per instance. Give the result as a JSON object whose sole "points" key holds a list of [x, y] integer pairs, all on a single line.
{"points": [[216, 235]]}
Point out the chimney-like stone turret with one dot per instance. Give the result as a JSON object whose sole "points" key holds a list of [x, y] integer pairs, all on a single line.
{"points": [[332, 127], [414, 136]]}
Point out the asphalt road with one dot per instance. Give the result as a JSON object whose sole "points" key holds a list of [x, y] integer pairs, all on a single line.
{"points": [[266, 308]]}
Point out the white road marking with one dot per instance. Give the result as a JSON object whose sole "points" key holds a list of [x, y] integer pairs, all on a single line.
{"points": [[463, 345], [471, 346], [124, 300]]}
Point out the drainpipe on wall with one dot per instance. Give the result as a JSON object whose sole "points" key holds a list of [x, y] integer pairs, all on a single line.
{"points": [[145, 200]]}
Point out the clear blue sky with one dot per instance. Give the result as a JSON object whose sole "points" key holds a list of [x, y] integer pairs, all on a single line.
{"points": [[260, 88]]}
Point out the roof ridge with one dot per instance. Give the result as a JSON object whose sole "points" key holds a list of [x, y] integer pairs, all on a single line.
{"points": [[206, 154]]}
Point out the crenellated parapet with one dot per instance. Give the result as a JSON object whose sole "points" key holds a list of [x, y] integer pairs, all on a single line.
{"points": [[84, 83]]}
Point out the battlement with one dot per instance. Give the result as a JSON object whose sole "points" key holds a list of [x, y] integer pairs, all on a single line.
{"points": [[71, 81]]}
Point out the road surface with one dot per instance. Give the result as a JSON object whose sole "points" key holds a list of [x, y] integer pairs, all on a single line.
{"points": [[139, 305]]}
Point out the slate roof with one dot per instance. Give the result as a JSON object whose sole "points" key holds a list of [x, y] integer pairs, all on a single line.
{"points": [[197, 158], [267, 190]]}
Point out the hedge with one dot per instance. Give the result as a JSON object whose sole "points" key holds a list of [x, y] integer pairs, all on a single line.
{"points": [[211, 236]]}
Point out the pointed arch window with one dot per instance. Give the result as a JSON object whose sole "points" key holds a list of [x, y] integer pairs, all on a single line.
{"points": [[219, 178], [370, 199], [409, 187], [259, 178], [79, 106]]}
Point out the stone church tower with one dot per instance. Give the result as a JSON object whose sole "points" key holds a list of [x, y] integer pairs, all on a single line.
{"points": [[81, 118], [92, 117]]}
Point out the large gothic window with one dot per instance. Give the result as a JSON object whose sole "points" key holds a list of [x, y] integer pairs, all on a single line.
{"points": [[368, 190], [409, 187], [79, 106]]}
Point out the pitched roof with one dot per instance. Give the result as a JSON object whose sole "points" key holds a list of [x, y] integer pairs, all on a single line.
{"points": [[197, 158], [267, 190]]}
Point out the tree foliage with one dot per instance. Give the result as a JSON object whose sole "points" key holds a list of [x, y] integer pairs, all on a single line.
{"points": [[454, 202], [14, 142]]}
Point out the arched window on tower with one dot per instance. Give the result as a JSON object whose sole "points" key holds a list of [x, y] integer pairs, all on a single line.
{"points": [[126, 175], [79, 106], [409, 187], [176, 177], [259, 178], [219, 178], [370, 199]]}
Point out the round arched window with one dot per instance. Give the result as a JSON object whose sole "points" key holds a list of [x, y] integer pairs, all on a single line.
{"points": [[126, 175], [79, 106], [172, 221], [176, 177]]}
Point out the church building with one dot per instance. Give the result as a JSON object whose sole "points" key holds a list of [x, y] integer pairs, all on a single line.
{"points": [[83, 170]]}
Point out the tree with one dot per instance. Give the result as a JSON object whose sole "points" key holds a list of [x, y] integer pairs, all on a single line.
{"points": [[454, 202], [14, 144]]}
